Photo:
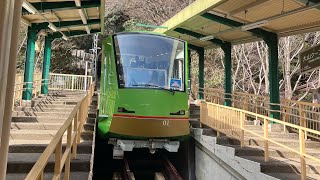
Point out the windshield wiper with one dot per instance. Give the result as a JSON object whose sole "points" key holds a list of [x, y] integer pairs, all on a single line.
{"points": [[154, 85]]}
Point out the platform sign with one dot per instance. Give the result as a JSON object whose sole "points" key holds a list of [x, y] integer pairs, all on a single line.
{"points": [[310, 59]]}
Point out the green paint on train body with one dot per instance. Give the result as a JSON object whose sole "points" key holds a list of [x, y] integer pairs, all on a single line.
{"points": [[144, 100]]}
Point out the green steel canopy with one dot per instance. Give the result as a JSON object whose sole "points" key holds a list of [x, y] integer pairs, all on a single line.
{"points": [[65, 17], [206, 23]]}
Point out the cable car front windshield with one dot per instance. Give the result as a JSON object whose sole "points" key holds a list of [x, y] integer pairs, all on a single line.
{"points": [[150, 61]]}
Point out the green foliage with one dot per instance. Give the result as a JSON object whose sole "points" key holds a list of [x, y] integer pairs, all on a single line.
{"points": [[114, 21], [82, 42], [131, 25], [62, 60]]}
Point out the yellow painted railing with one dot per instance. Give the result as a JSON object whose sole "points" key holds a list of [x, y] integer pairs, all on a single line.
{"points": [[231, 121], [36, 86], [56, 82], [18, 88], [69, 81], [73, 126], [295, 112]]}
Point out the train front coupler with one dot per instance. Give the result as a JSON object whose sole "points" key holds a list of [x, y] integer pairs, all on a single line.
{"points": [[122, 145]]}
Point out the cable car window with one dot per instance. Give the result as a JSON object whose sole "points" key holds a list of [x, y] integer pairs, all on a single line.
{"points": [[150, 61]]}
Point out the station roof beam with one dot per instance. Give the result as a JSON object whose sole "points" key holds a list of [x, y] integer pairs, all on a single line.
{"points": [[283, 18], [61, 6], [69, 24], [65, 15], [83, 15]]}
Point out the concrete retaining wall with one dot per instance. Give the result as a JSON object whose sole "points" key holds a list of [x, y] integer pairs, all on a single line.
{"points": [[214, 161]]}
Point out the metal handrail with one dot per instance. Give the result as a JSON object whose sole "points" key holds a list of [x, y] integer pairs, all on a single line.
{"points": [[73, 125], [230, 121]]}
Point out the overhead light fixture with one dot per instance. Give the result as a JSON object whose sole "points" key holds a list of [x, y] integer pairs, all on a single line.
{"points": [[207, 38], [64, 37], [52, 27], [27, 6], [254, 25]]}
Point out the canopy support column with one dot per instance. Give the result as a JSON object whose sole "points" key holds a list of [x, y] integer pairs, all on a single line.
{"points": [[226, 47], [201, 73], [272, 42], [29, 63], [46, 65]]}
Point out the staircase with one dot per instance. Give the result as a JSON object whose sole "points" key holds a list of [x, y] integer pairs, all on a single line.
{"points": [[283, 163], [32, 129]]}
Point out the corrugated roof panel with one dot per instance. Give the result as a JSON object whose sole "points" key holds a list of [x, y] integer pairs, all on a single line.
{"points": [[214, 28], [200, 43], [93, 13], [95, 26], [204, 25], [268, 9], [180, 36], [32, 17], [189, 39], [196, 23], [234, 35], [306, 18], [233, 5], [67, 14]]}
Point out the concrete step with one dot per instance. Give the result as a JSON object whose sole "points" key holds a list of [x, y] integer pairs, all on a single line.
{"points": [[35, 126], [88, 127], [91, 120], [39, 119], [291, 176], [57, 98], [54, 106], [23, 162], [43, 135], [253, 127], [31, 142], [48, 176], [55, 125], [76, 96], [248, 122], [63, 102], [195, 123], [294, 143], [62, 114], [274, 127], [192, 116], [273, 151], [93, 106], [193, 106], [195, 111], [273, 134], [256, 141], [45, 109], [92, 114], [84, 147], [285, 165]]}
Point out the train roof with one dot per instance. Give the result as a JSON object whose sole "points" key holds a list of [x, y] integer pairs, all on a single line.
{"points": [[148, 33]]}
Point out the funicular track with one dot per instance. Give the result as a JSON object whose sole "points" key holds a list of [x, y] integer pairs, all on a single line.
{"points": [[156, 166]]}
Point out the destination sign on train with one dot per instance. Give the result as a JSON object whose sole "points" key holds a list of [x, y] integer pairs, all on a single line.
{"points": [[310, 59]]}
